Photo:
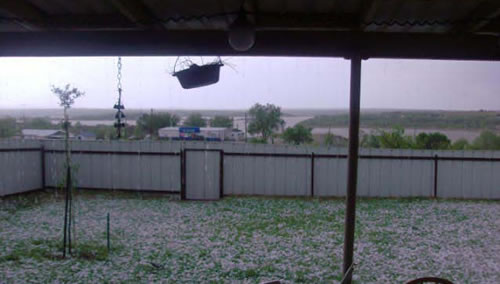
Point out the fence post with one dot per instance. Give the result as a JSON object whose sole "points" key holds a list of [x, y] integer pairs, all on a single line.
{"points": [[221, 174], [435, 175], [107, 232], [42, 158], [183, 174], [312, 174]]}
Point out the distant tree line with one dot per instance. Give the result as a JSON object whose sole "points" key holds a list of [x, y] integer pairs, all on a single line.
{"points": [[412, 119], [148, 124], [8, 127], [396, 139], [151, 123], [266, 124]]}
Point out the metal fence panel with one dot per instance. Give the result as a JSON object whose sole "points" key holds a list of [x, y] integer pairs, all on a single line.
{"points": [[330, 173], [129, 165], [468, 178], [20, 166], [202, 175]]}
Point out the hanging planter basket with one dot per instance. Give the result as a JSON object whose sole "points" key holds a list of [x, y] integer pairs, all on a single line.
{"points": [[196, 76]]}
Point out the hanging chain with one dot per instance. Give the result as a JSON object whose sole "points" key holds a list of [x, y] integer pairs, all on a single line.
{"points": [[119, 106], [119, 75]]}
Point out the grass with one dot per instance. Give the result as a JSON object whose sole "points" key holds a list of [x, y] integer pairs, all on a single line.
{"points": [[51, 249], [156, 238]]}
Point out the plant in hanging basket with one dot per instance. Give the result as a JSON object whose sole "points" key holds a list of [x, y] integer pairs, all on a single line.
{"points": [[196, 76]]}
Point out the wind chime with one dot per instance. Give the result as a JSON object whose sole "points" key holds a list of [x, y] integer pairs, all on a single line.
{"points": [[119, 116]]}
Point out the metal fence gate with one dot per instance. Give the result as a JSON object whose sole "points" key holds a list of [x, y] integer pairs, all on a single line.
{"points": [[202, 174]]}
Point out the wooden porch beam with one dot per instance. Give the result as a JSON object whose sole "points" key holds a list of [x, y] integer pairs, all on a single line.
{"points": [[21, 10], [268, 43], [480, 17], [137, 12]]}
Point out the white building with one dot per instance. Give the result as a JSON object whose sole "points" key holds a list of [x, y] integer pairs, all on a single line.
{"points": [[215, 133], [196, 133], [169, 132], [237, 135]]}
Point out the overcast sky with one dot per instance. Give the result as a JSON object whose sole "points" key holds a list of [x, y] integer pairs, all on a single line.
{"points": [[287, 82]]}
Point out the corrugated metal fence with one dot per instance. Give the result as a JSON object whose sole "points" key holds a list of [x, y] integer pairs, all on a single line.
{"points": [[20, 166], [251, 169], [135, 165]]}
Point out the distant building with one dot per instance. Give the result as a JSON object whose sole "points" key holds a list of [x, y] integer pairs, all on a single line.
{"points": [[237, 135], [86, 135], [215, 133], [169, 132], [43, 134], [196, 133]]}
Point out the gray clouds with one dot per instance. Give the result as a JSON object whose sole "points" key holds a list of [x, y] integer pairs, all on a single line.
{"points": [[288, 82]]}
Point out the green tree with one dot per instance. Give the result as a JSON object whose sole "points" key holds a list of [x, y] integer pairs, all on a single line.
{"points": [[67, 96], [148, 123], [331, 139], [396, 139], [103, 132], [77, 128], [461, 144], [7, 127], [130, 130], [265, 120], [195, 120], [487, 140], [432, 141], [370, 141], [39, 123], [297, 135], [221, 121], [257, 140]]}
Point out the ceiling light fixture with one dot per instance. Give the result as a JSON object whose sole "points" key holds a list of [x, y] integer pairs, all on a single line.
{"points": [[241, 34]]}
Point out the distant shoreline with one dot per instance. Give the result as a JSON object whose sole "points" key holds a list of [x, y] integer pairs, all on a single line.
{"points": [[456, 124], [105, 113]]}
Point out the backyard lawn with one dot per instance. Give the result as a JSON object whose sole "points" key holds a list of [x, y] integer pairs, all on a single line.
{"points": [[156, 238]]}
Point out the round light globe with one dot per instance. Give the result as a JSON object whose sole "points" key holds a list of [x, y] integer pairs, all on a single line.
{"points": [[241, 35]]}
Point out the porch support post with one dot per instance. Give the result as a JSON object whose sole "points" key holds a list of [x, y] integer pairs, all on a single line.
{"points": [[352, 167]]}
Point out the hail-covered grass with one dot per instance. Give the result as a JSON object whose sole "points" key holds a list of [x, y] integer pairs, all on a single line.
{"points": [[156, 238]]}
